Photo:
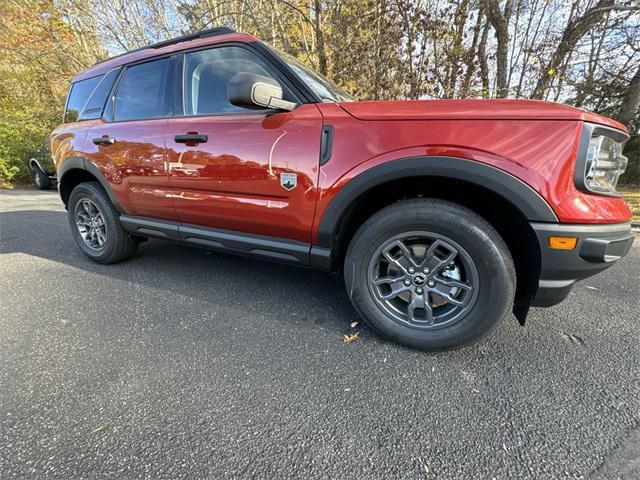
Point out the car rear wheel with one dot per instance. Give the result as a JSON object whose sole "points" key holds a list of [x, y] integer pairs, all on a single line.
{"points": [[429, 274], [95, 225], [40, 179]]}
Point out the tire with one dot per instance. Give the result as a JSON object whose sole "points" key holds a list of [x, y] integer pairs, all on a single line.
{"points": [[40, 179], [89, 203], [460, 273]]}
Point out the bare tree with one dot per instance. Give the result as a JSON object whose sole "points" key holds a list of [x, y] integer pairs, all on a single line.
{"points": [[500, 21], [631, 100], [577, 27]]}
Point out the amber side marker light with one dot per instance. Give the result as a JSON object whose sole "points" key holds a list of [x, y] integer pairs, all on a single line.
{"points": [[563, 243]]}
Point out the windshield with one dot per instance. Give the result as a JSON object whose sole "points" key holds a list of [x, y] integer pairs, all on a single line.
{"points": [[321, 86]]}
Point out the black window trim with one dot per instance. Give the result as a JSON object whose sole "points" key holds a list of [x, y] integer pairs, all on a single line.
{"points": [[284, 73]]}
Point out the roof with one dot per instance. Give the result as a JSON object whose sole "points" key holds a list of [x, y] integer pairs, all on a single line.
{"points": [[198, 39]]}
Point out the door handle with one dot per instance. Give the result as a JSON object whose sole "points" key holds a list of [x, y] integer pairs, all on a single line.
{"points": [[191, 138], [105, 140]]}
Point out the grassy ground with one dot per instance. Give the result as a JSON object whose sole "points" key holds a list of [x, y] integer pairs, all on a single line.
{"points": [[10, 186], [632, 196]]}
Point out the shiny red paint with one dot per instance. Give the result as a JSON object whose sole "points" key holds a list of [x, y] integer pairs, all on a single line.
{"points": [[232, 181], [67, 141], [135, 165], [541, 153], [473, 109]]}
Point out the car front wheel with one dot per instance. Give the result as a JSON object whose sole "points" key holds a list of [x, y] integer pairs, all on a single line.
{"points": [[430, 274]]}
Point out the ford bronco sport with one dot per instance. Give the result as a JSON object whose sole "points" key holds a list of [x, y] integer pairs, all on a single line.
{"points": [[441, 215]]}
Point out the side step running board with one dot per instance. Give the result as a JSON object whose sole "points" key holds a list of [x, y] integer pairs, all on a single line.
{"points": [[272, 248]]}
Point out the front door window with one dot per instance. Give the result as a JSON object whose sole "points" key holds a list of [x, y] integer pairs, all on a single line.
{"points": [[207, 73]]}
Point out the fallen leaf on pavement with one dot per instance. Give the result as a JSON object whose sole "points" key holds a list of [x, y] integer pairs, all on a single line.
{"points": [[351, 338], [424, 466]]}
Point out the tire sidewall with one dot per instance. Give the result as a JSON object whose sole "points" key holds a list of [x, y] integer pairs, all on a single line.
{"points": [[40, 180], [484, 246]]}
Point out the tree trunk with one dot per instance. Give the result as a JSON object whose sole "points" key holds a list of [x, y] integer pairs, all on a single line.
{"points": [[482, 60], [470, 56], [322, 55], [500, 22], [631, 100]]}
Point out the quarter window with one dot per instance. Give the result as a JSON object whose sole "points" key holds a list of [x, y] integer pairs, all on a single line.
{"points": [[207, 73], [93, 108], [80, 92], [144, 92]]}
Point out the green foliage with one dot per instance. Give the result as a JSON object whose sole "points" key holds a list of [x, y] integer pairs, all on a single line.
{"points": [[39, 53], [631, 178], [25, 124]]}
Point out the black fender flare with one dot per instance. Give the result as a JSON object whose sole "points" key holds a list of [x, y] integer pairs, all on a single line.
{"points": [[521, 195], [33, 164], [79, 163]]}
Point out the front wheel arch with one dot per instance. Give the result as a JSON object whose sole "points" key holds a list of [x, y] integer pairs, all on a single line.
{"points": [[500, 212], [495, 181]]}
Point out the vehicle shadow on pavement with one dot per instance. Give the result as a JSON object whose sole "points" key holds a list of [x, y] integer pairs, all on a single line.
{"points": [[226, 279]]}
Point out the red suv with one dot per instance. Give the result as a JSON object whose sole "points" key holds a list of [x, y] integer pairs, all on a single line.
{"points": [[442, 215]]}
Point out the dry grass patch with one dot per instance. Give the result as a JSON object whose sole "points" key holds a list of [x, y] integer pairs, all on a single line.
{"points": [[632, 197]]}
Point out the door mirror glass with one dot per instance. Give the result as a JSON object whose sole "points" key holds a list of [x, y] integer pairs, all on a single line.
{"points": [[250, 90]]}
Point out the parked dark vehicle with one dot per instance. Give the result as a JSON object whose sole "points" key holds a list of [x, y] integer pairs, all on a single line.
{"points": [[43, 170], [443, 216]]}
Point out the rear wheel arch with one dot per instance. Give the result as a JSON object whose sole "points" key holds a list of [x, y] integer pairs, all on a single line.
{"points": [[77, 170]]}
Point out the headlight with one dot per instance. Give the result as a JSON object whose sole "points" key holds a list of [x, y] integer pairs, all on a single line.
{"points": [[603, 161]]}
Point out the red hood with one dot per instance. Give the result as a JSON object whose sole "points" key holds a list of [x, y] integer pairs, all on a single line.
{"points": [[472, 110]]}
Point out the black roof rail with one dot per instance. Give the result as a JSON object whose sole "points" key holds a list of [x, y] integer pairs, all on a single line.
{"points": [[212, 32]]}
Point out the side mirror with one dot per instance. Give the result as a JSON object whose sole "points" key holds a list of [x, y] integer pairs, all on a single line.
{"points": [[249, 90]]}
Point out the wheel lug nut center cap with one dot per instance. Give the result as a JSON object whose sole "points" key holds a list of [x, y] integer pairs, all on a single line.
{"points": [[419, 280]]}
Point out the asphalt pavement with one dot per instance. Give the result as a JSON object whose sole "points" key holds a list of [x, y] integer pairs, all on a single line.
{"points": [[186, 364]]}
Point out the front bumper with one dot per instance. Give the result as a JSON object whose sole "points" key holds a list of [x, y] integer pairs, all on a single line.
{"points": [[597, 248]]}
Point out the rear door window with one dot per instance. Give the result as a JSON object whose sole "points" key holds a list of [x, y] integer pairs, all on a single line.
{"points": [[144, 92], [78, 96]]}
